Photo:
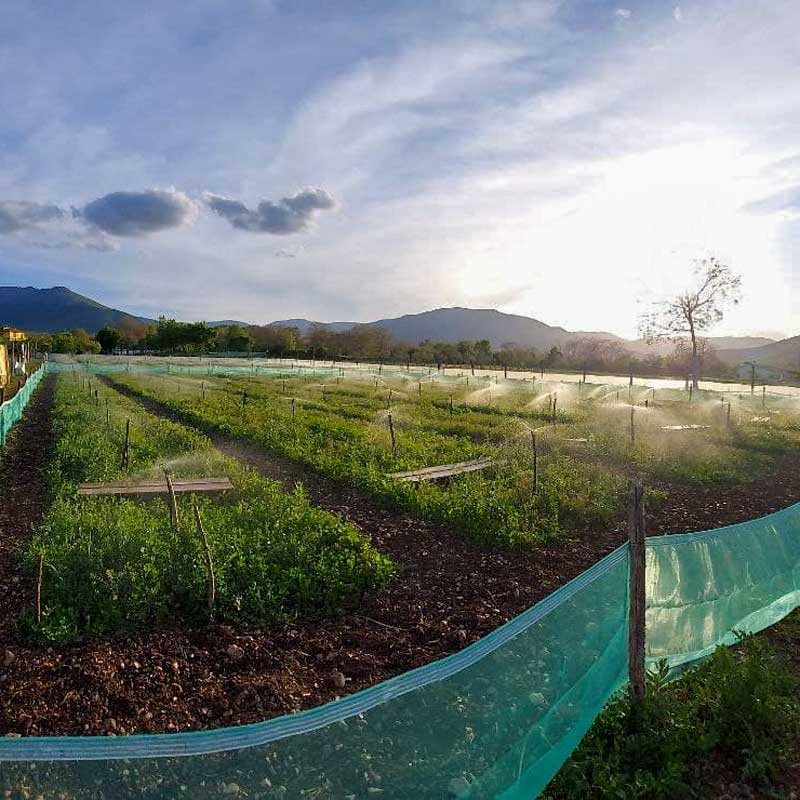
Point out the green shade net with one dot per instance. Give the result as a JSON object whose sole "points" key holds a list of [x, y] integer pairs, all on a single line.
{"points": [[496, 720], [11, 410], [701, 587], [222, 370]]}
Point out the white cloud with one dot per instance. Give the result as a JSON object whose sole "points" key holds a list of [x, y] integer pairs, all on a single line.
{"points": [[623, 13], [677, 14]]}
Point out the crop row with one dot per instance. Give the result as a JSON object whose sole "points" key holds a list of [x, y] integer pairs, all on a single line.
{"points": [[345, 435], [110, 563]]}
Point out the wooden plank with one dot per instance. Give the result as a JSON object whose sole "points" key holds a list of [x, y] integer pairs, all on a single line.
{"points": [[439, 468], [442, 471], [683, 427], [199, 485]]}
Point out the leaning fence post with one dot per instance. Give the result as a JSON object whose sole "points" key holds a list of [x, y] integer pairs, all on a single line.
{"points": [[173, 501], [211, 581], [636, 621]]}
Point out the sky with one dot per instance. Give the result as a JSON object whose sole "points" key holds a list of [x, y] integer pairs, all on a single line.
{"points": [[568, 160]]}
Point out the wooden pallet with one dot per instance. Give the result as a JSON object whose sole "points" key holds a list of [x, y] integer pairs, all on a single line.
{"points": [[181, 486], [443, 471]]}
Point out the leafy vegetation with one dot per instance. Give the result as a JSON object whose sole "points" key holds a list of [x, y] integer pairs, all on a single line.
{"points": [[591, 439], [343, 432], [741, 707], [113, 564]]}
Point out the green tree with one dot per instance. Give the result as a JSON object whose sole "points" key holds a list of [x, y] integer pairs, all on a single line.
{"points": [[109, 339]]}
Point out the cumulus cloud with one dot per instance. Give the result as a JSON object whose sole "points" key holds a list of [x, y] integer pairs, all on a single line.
{"points": [[21, 216], [677, 14], [623, 13], [139, 213], [288, 215]]}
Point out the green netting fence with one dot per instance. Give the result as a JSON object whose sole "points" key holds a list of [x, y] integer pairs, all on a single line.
{"points": [[221, 370], [11, 410], [496, 720]]}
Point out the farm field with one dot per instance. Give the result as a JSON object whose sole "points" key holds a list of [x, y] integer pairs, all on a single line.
{"points": [[356, 576], [590, 440]]}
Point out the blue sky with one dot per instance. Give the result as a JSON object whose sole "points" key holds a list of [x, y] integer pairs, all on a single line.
{"points": [[353, 160]]}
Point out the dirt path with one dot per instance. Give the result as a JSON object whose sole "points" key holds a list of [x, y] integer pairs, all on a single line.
{"points": [[23, 497]]}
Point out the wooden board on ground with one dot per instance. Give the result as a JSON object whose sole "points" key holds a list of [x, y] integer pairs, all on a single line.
{"points": [[683, 427], [181, 486], [442, 471]]}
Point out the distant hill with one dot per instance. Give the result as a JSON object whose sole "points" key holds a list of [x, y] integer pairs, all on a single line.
{"points": [[304, 325], [718, 343], [58, 309], [456, 324], [784, 354], [226, 323]]}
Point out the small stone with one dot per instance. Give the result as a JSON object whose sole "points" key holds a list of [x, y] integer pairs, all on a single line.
{"points": [[234, 652], [462, 636], [338, 679], [231, 789], [9, 658], [537, 698]]}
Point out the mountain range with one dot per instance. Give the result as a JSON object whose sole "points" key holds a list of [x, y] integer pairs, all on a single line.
{"points": [[59, 308]]}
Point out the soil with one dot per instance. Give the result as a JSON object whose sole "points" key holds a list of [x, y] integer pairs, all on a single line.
{"points": [[449, 592]]}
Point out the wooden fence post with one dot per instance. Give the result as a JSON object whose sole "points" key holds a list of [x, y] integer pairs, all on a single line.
{"points": [[39, 572], [636, 622], [535, 464], [633, 426], [391, 432], [126, 449]]}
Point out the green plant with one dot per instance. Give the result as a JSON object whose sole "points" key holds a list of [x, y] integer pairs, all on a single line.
{"points": [[741, 704]]}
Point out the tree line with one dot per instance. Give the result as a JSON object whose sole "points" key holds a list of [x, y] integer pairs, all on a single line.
{"points": [[365, 343]]}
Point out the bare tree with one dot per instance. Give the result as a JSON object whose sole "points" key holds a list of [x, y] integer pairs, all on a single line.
{"points": [[694, 310]]}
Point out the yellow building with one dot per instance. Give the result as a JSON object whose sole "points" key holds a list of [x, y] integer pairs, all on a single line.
{"points": [[14, 354]]}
